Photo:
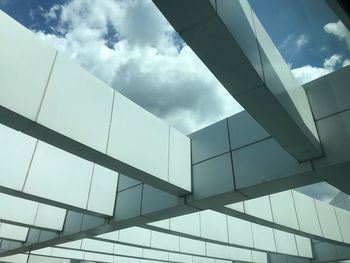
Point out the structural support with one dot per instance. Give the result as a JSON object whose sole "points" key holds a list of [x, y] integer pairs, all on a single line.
{"points": [[49, 98], [229, 39]]}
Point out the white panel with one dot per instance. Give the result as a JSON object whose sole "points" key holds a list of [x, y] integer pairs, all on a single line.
{"points": [[50, 217], [263, 238], [328, 220], [192, 246], [46, 251], [165, 224], [259, 207], [19, 258], [209, 219], [135, 235], [97, 246], [73, 244], [138, 138], [17, 209], [179, 159], [344, 223], [67, 253], [236, 206], [239, 232], [306, 213], [259, 257], [180, 258], [226, 252], [24, 68], [304, 246], [13, 232], [285, 243], [60, 176], [77, 105], [103, 190], [203, 260], [15, 155], [114, 235], [119, 259], [127, 250], [44, 259], [164, 241], [188, 224], [98, 257], [283, 209], [148, 253]]}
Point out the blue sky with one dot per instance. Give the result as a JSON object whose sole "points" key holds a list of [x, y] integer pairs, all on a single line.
{"points": [[286, 22], [300, 18], [131, 46]]}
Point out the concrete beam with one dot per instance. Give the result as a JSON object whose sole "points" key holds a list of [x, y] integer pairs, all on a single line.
{"points": [[49, 98], [232, 43], [286, 211]]}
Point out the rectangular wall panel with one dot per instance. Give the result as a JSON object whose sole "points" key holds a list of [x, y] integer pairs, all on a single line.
{"points": [[24, 69], [72, 95], [60, 176]]}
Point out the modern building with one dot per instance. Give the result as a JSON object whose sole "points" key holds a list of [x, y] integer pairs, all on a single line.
{"points": [[86, 175]]}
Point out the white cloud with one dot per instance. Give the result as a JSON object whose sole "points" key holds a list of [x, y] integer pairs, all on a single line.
{"points": [[346, 62], [339, 30], [145, 61], [295, 43], [307, 73], [301, 41]]}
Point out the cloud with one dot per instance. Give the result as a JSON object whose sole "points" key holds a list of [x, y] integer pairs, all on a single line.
{"points": [[301, 41], [308, 73], [130, 46], [339, 30], [294, 43], [346, 62]]}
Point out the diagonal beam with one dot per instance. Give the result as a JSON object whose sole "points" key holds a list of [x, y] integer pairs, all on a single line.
{"points": [[229, 39]]}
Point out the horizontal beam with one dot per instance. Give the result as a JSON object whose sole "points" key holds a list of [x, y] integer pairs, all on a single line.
{"points": [[230, 40], [27, 213], [287, 211], [40, 98], [231, 231], [328, 98], [110, 248]]}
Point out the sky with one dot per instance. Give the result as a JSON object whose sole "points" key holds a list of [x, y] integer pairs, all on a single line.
{"points": [[130, 46]]}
